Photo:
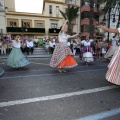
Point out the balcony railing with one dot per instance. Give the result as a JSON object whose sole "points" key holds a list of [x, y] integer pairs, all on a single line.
{"points": [[19, 29], [54, 30]]}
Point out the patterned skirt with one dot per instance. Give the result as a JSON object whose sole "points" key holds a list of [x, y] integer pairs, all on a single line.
{"points": [[113, 73], [16, 59], [62, 57]]}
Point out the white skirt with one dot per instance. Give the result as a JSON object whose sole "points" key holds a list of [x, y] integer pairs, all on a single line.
{"points": [[88, 57], [103, 51]]}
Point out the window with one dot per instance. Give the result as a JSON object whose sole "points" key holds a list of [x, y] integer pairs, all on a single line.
{"points": [[13, 24], [53, 25], [50, 9], [39, 25], [57, 11], [70, 2], [26, 24], [85, 28], [74, 2]]}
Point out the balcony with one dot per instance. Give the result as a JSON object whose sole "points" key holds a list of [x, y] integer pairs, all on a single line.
{"points": [[87, 8], [54, 31], [87, 22], [86, 34], [17, 30]]}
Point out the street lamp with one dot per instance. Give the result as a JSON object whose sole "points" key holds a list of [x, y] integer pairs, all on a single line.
{"points": [[114, 19], [104, 19]]}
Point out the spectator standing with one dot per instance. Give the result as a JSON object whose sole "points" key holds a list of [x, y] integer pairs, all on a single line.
{"points": [[4, 47], [52, 46], [36, 42], [29, 46]]}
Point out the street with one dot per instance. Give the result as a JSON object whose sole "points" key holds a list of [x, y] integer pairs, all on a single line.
{"points": [[39, 92]]}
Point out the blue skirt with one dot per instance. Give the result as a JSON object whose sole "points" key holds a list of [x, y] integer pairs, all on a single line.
{"points": [[16, 59]]}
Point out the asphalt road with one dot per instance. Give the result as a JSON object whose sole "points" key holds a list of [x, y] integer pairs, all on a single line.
{"points": [[39, 92]]}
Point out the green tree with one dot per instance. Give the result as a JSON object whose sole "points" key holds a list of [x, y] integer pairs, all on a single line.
{"points": [[71, 13]]}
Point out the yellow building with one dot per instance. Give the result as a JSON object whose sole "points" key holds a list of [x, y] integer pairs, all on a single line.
{"points": [[46, 24]]}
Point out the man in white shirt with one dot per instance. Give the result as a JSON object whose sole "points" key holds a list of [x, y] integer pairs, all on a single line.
{"points": [[52, 45], [29, 46], [44, 40], [36, 42]]}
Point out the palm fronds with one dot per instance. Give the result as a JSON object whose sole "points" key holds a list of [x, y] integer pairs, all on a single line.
{"points": [[71, 13]]}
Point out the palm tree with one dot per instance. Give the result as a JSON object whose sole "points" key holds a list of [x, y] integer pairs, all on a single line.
{"points": [[91, 26], [71, 13]]}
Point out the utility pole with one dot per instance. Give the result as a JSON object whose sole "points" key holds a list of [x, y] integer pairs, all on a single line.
{"points": [[91, 26], [109, 11]]}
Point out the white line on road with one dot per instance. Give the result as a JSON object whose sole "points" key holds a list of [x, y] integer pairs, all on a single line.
{"points": [[102, 115], [51, 69], [41, 75], [53, 97]]}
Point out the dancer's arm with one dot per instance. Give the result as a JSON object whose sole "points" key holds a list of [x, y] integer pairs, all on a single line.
{"points": [[108, 29], [73, 36], [64, 25]]}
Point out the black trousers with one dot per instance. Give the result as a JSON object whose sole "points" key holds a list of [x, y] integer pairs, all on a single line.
{"points": [[52, 49], [29, 50]]}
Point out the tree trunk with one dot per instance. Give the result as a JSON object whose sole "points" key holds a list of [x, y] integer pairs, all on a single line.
{"points": [[91, 27]]}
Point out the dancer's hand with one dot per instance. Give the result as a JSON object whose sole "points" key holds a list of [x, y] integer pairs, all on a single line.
{"points": [[99, 25]]}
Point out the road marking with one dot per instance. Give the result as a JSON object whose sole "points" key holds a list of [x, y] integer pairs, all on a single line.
{"points": [[53, 97], [41, 75], [40, 63], [46, 69], [102, 115]]}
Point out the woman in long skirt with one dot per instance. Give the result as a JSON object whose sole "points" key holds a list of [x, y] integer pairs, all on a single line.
{"points": [[113, 73], [112, 49], [87, 50], [62, 56], [16, 59]]}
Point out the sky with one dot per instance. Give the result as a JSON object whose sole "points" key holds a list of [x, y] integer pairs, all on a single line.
{"points": [[30, 6]]}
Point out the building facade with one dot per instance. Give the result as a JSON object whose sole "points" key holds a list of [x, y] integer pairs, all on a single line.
{"points": [[99, 15], [2, 18], [31, 24]]}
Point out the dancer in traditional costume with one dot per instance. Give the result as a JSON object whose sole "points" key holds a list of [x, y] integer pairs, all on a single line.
{"points": [[62, 56], [87, 50], [112, 49], [16, 59], [113, 73]]}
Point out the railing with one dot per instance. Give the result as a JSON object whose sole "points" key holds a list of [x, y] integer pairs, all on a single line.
{"points": [[54, 30], [20, 29]]}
